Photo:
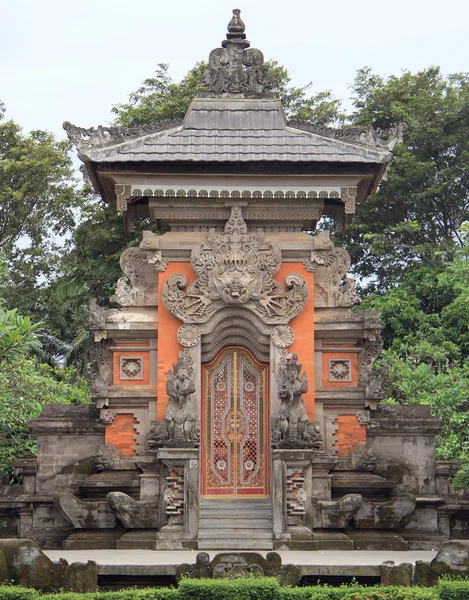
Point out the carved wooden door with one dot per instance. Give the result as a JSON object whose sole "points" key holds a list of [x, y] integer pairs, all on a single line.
{"points": [[235, 425]]}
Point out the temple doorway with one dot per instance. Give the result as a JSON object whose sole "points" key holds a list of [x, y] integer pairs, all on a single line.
{"points": [[235, 436]]}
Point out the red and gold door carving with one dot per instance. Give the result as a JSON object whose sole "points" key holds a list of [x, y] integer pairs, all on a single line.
{"points": [[235, 425]]}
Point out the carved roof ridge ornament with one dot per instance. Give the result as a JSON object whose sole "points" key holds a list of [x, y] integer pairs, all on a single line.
{"points": [[102, 135], [236, 68], [384, 139], [233, 270]]}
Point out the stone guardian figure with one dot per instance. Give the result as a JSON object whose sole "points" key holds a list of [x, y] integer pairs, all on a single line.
{"points": [[292, 417], [180, 418]]}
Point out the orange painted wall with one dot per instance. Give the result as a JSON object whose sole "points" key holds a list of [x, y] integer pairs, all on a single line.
{"points": [[145, 368], [168, 325], [350, 434], [326, 356], [120, 434], [303, 326]]}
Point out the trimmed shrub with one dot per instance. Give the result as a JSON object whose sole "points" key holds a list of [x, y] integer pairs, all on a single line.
{"points": [[16, 592], [454, 590], [255, 588]]}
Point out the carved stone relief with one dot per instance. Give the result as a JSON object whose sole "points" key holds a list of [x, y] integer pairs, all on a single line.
{"points": [[100, 369], [188, 335], [282, 336], [131, 288], [329, 265], [180, 414], [294, 430], [131, 368], [232, 269], [174, 497], [296, 496], [340, 369], [236, 67]]}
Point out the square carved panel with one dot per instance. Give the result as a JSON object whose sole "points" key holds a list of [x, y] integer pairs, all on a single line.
{"points": [[340, 370], [131, 368]]}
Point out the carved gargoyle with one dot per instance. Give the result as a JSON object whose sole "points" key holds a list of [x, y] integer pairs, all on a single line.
{"points": [[131, 513], [85, 515]]}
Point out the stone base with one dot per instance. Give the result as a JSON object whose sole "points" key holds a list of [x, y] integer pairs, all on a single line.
{"points": [[173, 538], [138, 539], [423, 540], [376, 540], [332, 540], [296, 538], [295, 545], [93, 539]]}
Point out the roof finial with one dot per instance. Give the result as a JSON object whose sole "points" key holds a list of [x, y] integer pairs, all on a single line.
{"points": [[236, 26], [235, 67]]}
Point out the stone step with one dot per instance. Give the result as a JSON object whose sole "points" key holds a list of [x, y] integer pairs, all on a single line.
{"points": [[248, 544], [235, 524], [235, 534], [242, 507], [230, 511]]}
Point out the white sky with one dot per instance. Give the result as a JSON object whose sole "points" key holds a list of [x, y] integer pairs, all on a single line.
{"points": [[72, 60]]}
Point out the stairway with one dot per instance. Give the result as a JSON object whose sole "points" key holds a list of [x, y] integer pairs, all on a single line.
{"points": [[234, 524]]}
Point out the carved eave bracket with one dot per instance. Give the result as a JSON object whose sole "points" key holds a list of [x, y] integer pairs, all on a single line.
{"points": [[138, 287], [330, 265], [233, 270]]}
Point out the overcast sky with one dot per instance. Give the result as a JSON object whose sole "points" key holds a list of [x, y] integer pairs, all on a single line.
{"points": [[72, 60]]}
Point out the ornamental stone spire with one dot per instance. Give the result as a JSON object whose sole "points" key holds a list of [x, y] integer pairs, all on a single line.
{"points": [[235, 67]]}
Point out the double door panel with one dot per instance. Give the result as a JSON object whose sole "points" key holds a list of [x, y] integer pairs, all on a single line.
{"points": [[235, 425]]}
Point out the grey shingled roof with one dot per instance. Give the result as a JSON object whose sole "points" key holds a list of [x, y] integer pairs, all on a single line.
{"points": [[234, 129]]}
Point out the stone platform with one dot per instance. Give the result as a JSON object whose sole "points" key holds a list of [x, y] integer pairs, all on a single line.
{"points": [[122, 565]]}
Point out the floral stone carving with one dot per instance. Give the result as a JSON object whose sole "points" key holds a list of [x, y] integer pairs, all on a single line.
{"points": [[232, 269], [282, 336], [188, 335]]}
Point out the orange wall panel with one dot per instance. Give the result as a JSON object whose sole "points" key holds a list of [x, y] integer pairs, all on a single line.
{"points": [[168, 325], [350, 434], [120, 433], [327, 356], [145, 380], [303, 326]]}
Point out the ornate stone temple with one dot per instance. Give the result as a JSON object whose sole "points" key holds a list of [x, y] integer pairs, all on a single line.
{"points": [[235, 400]]}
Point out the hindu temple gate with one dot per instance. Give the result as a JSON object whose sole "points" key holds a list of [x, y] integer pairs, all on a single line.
{"points": [[235, 400]]}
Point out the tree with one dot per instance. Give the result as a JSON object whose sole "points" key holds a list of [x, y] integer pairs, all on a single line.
{"points": [[25, 385], [415, 217], [38, 204]]}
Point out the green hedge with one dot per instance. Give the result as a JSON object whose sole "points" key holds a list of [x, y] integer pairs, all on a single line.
{"points": [[262, 588], [454, 590]]}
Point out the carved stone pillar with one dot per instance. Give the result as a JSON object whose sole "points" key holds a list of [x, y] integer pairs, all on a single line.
{"points": [[292, 499], [181, 499]]}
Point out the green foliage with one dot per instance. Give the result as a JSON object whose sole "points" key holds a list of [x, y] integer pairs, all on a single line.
{"points": [[17, 335], [416, 216], [38, 199], [24, 389], [13, 592], [262, 588], [253, 589], [454, 590]]}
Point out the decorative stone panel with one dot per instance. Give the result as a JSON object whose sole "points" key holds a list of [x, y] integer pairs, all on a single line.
{"points": [[131, 368], [340, 369]]}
